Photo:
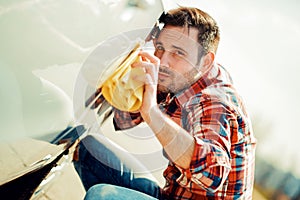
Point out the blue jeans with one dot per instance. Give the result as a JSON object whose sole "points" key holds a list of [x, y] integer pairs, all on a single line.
{"points": [[99, 165], [113, 192]]}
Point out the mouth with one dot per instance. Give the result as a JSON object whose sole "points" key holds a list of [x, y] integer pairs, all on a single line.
{"points": [[163, 75]]}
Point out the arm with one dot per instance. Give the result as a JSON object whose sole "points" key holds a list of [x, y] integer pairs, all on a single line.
{"points": [[211, 124], [201, 154], [177, 143]]}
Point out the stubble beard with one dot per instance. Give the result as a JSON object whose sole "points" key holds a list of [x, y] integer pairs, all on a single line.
{"points": [[176, 82]]}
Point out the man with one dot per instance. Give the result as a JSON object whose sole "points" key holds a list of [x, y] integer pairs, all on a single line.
{"points": [[193, 109]]}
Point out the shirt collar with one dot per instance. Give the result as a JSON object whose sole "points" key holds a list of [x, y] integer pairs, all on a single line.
{"points": [[207, 79]]}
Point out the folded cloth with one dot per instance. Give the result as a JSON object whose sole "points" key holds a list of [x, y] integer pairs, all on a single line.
{"points": [[120, 89]]}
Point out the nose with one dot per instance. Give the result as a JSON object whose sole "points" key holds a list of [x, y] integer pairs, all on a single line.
{"points": [[165, 58]]}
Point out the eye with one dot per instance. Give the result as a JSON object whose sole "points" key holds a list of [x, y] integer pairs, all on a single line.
{"points": [[179, 53], [159, 48]]}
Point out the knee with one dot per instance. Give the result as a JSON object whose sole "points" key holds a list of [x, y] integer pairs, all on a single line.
{"points": [[102, 191], [113, 192]]}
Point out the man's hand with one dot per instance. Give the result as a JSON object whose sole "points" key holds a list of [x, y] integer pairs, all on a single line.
{"points": [[150, 64], [178, 144]]}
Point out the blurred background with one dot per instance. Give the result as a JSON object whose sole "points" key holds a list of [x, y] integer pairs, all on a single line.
{"points": [[44, 43]]}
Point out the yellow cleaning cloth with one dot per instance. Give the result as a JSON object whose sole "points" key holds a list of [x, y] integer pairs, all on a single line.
{"points": [[120, 90]]}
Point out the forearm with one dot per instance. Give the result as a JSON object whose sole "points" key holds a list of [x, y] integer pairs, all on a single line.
{"points": [[177, 143]]}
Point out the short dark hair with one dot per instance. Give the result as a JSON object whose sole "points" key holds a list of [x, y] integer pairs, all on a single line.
{"points": [[209, 34]]}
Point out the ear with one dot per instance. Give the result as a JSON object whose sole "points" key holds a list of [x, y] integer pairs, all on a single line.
{"points": [[207, 61]]}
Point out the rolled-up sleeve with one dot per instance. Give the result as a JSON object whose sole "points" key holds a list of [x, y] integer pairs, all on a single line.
{"points": [[125, 120], [210, 123]]}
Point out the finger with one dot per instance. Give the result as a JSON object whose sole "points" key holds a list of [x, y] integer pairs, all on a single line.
{"points": [[149, 68], [149, 80], [146, 79], [150, 57], [144, 59]]}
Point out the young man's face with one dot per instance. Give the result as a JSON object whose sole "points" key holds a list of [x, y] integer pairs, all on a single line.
{"points": [[177, 48]]}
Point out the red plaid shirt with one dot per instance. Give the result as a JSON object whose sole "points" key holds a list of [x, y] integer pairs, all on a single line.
{"points": [[222, 166]]}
